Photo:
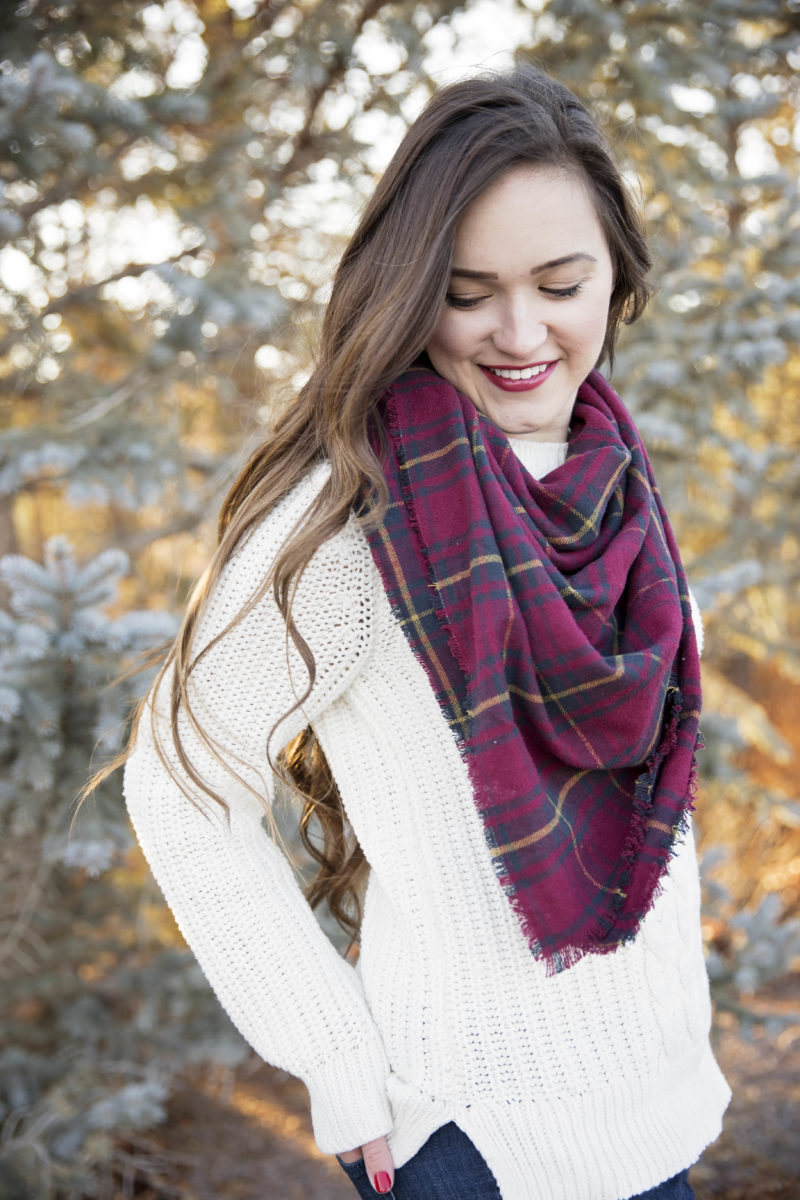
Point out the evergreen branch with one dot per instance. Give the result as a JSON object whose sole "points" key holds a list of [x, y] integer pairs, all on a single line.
{"points": [[89, 290], [189, 519], [132, 270], [11, 945], [305, 138], [108, 403], [265, 15], [67, 186], [185, 523], [225, 68]]}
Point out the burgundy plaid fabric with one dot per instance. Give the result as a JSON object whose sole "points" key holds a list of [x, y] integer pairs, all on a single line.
{"points": [[553, 621]]}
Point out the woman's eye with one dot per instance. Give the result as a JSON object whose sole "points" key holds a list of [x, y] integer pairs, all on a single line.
{"points": [[463, 301], [564, 292]]}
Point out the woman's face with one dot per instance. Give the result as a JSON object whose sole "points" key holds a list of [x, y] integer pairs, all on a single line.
{"points": [[526, 312]]}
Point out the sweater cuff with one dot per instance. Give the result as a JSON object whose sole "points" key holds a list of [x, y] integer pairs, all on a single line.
{"points": [[349, 1105]]}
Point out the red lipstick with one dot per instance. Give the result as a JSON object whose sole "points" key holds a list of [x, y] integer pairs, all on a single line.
{"points": [[518, 385]]}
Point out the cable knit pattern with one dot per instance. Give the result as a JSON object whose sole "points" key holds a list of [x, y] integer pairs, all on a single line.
{"points": [[595, 1084]]}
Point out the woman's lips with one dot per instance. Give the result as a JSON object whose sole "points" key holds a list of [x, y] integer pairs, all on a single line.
{"points": [[539, 372]]}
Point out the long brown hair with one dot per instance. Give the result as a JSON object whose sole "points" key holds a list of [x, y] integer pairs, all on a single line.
{"points": [[387, 294]]}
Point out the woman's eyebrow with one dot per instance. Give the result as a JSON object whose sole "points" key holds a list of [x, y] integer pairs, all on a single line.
{"points": [[466, 273]]}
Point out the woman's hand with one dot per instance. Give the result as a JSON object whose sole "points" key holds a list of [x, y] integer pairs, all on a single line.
{"points": [[378, 1162]]}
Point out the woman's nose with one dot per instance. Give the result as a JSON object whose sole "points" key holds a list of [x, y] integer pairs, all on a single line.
{"points": [[520, 331]]}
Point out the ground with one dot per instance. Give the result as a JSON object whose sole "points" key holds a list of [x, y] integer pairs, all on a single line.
{"points": [[250, 1138]]}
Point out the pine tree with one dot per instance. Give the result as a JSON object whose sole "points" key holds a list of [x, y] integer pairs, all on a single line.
{"points": [[89, 1040]]}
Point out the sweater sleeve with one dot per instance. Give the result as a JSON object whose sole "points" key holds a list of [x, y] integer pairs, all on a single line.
{"points": [[231, 890]]}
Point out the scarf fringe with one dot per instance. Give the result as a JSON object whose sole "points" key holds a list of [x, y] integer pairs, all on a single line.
{"points": [[595, 940], [646, 782]]}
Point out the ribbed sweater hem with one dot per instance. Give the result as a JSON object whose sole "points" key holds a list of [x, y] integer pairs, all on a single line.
{"points": [[606, 1145]]}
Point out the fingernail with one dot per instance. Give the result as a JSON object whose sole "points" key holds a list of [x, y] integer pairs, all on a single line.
{"points": [[383, 1182]]}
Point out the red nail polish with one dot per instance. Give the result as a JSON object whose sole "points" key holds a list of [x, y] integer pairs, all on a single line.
{"points": [[383, 1182]]}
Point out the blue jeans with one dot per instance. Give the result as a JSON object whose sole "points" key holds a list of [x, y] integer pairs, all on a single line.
{"points": [[448, 1167]]}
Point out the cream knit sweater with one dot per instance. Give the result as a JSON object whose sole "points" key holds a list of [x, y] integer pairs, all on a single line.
{"points": [[595, 1084]]}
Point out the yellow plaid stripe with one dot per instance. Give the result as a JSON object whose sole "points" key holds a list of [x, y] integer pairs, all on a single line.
{"points": [[481, 561], [432, 455], [415, 618], [589, 522], [558, 818]]}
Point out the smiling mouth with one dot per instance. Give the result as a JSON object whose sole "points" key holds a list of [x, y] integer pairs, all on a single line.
{"points": [[518, 372]]}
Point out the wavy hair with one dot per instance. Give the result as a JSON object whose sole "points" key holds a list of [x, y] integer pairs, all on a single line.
{"points": [[387, 294]]}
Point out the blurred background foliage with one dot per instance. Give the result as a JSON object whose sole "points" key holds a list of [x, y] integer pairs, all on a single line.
{"points": [[176, 183]]}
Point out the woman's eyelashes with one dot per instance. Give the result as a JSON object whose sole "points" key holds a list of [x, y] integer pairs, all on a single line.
{"points": [[472, 301], [464, 301], [572, 290]]}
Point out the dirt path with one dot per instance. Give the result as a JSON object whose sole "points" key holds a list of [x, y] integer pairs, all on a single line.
{"points": [[758, 1155]]}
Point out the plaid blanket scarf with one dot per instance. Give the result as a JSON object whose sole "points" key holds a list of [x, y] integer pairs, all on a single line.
{"points": [[554, 624]]}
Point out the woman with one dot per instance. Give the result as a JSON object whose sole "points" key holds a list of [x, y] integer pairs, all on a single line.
{"points": [[447, 600]]}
